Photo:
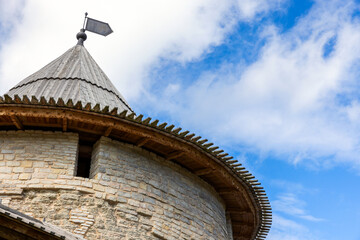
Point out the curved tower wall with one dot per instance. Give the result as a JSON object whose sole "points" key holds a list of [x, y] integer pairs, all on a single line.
{"points": [[131, 193]]}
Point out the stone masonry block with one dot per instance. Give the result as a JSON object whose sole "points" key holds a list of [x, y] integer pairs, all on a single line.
{"points": [[25, 176]]}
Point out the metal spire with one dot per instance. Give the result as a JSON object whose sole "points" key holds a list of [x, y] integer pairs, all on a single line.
{"points": [[81, 36]]}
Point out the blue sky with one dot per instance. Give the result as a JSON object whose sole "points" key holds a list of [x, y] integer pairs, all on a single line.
{"points": [[274, 83]]}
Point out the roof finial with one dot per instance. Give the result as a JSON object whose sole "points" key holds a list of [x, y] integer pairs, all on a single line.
{"points": [[81, 36]]}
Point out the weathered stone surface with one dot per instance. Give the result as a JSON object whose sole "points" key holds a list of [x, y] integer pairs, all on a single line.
{"points": [[42, 153], [174, 198], [131, 193]]}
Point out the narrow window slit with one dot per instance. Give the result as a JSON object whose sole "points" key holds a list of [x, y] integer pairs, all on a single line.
{"points": [[84, 159]]}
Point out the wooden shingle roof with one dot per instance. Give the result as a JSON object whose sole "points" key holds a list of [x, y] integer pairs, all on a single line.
{"points": [[74, 75]]}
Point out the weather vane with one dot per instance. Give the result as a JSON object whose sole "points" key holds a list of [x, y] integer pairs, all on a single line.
{"points": [[94, 26]]}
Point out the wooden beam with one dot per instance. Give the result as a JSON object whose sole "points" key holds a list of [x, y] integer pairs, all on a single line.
{"points": [[223, 191], [65, 124], [16, 122], [175, 154], [108, 131], [204, 171], [10, 234], [142, 142], [47, 120], [6, 124], [45, 125], [14, 229], [83, 129], [242, 224], [237, 211]]}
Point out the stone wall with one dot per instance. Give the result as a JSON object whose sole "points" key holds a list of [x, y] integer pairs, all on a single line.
{"points": [[132, 193], [181, 205], [26, 155]]}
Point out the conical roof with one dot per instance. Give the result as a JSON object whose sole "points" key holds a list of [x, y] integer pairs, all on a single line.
{"points": [[74, 75]]}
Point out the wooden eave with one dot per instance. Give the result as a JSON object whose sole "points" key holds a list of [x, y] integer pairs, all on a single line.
{"points": [[246, 201]]}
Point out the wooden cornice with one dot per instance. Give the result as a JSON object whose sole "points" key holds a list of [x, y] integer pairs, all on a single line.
{"points": [[16, 121], [218, 170], [108, 131], [204, 171], [142, 142]]}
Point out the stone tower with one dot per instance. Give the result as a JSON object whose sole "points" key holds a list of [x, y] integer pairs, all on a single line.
{"points": [[76, 162]]}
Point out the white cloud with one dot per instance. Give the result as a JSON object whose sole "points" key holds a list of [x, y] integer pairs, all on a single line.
{"points": [[290, 211], [249, 8], [289, 102], [289, 203], [285, 229], [10, 12]]}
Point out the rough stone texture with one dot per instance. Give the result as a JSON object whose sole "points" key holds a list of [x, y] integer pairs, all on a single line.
{"points": [[133, 194], [82, 217], [26, 155], [181, 205]]}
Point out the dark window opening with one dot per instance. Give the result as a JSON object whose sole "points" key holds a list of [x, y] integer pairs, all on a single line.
{"points": [[84, 159]]}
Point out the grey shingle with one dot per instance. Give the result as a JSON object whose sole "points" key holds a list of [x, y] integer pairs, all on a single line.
{"points": [[74, 75]]}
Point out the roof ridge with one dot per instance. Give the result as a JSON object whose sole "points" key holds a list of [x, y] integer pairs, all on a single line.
{"points": [[75, 78]]}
